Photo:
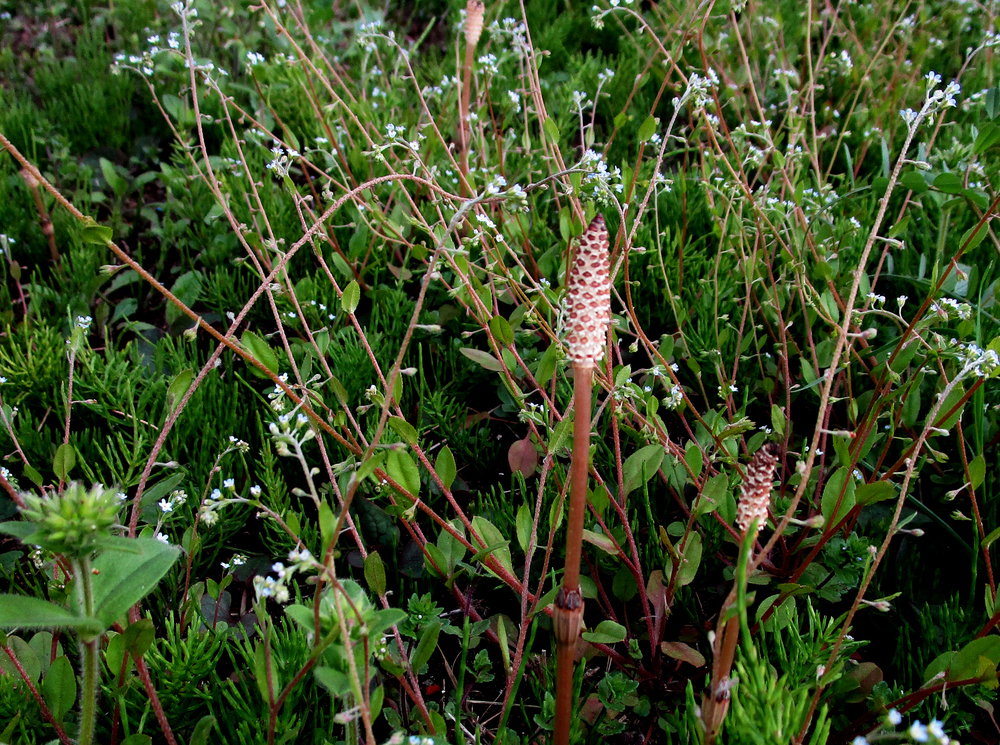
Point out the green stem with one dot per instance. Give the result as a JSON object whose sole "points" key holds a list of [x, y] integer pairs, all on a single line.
{"points": [[88, 653]]}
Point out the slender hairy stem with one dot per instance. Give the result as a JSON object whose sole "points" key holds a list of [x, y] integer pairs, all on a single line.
{"points": [[569, 604], [88, 654]]}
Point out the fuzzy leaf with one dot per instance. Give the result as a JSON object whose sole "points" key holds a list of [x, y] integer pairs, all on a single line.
{"points": [[127, 574], [20, 611]]}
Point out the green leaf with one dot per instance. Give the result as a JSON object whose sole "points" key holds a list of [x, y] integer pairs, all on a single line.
{"points": [[125, 575], [973, 237], [877, 491], [560, 434], [138, 637], [694, 458], [641, 466], [949, 183], [64, 461], [20, 528], [98, 234], [19, 611], [913, 181], [712, 495], [31, 660], [949, 403], [375, 573], [59, 687], [404, 429], [977, 659], [336, 682], [607, 632], [351, 297], [327, 522], [547, 365], [260, 350], [31, 473], [426, 646], [369, 466], [384, 619], [338, 390], [501, 330], [450, 547], [690, 559], [647, 129], [842, 480], [187, 289], [260, 668], [551, 130], [624, 585], [977, 471], [495, 543], [178, 387], [601, 540], [444, 464], [989, 135], [118, 184], [202, 730], [483, 359], [401, 469]]}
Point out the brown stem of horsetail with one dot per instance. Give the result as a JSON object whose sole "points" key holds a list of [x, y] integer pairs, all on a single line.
{"points": [[583, 376]]}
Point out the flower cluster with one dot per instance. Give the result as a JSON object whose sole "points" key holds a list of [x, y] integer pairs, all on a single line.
{"points": [[932, 733], [282, 161], [605, 180], [699, 90], [277, 587], [951, 308], [177, 498]]}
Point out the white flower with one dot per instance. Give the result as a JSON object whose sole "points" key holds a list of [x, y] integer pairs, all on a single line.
{"points": [[894, 717], [229, 484], [918, 731], [255, 490], [166, 506], [255, 59], [163, 538]]}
